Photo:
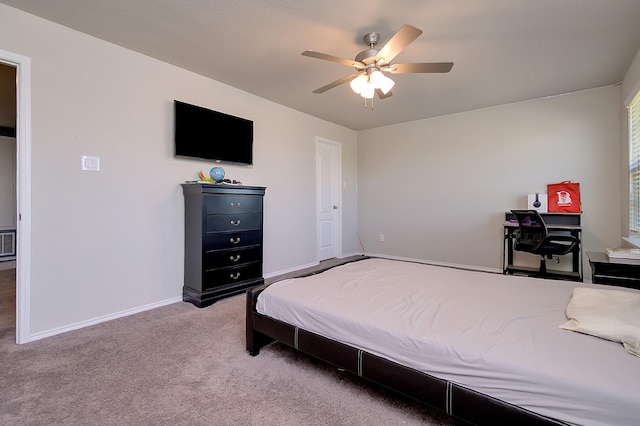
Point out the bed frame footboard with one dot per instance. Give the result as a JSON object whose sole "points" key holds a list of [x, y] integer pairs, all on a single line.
{"points": [[454, 399], [254, 338]]}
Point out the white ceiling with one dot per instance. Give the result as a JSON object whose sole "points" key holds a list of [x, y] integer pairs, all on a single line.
{"points": [[504, 50]]}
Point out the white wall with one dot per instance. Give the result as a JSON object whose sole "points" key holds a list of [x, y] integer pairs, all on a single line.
{"points": [[438, 189], [631, 81], [111, 241]]}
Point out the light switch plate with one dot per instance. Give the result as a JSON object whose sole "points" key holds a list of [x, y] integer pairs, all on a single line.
{"points": [[90, 163]]}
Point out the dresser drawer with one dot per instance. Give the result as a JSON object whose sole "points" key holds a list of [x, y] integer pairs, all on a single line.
{"points": [[225, 258], [223, 276], [233, 222], [232, 203], [230, 240]]}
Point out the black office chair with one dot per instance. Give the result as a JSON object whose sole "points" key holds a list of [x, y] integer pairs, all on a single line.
{"points": [[534, 237]]}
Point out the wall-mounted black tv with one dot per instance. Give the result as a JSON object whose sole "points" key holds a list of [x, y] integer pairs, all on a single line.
{"points": [[212, 135]]}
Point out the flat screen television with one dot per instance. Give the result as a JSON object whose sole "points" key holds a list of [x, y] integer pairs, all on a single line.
{"points": [[211, 135]]}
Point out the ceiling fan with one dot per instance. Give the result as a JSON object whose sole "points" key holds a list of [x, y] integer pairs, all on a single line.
{"points": [[370, 64]]}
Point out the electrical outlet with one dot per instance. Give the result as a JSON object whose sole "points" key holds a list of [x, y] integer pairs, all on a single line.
{"points": [[381, 237]]}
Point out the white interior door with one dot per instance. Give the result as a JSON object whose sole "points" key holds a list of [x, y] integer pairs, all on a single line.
{"points": [[328, 196]]}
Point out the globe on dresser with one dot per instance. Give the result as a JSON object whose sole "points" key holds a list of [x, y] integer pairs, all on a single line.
{"points": [[217, 174]]}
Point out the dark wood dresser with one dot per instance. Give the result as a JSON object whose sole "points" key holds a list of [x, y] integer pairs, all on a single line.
{"points": [[223, 241]]}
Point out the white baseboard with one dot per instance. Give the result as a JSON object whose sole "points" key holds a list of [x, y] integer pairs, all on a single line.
{"points": [[104, 318], [436, 263], [308, 265], [138, 309], [294, 269], [351, 254]]}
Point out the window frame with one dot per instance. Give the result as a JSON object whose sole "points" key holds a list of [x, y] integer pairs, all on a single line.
{"points": [[634, 166]]}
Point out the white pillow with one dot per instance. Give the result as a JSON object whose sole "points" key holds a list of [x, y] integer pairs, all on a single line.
{"points": [[608, 314]]}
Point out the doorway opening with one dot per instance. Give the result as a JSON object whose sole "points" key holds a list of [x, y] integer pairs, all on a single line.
{"points": [[21, 65]]}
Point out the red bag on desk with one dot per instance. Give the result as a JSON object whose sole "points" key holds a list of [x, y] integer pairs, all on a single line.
{"points": [[564, 197]]}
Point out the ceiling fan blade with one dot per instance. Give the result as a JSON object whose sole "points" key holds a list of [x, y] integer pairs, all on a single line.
{"points": [[405, 35], [382, 95], [343, 61], [336, 83], [420, 68]]}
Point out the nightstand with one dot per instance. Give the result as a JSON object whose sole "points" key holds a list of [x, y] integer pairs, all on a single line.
{"points": [[620, 272]]}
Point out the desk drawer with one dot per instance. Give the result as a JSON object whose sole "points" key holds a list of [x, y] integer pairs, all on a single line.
{"points": [[234, 274]]}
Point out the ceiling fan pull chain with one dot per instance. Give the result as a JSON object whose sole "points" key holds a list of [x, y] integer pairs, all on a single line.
{"points": [[365, 103]]}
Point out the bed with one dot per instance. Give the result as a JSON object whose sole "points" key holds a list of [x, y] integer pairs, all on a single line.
{"points": [[479, 346]]}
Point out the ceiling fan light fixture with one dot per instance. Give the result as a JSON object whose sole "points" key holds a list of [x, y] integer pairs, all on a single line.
{"points": [[381, 81], [368, 91], [359, 83]]}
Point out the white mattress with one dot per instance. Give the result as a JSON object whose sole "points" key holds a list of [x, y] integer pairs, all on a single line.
{"points": [[493, 333]]}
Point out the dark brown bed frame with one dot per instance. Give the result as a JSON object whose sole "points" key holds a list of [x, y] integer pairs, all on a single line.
{"points": [[452, 398]]}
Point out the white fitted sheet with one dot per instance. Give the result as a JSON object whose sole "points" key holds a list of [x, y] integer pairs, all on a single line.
{"points": [[493, 333]]}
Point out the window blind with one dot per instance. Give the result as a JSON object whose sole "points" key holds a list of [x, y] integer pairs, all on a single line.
{"points": [[634, 165]]}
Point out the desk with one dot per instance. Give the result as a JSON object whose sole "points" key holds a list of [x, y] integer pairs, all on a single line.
{"points": [[565, 222], [621, 272]]}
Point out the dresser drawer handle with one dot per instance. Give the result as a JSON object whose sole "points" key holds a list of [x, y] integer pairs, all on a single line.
{"points": [[235, 204], [236, 223], [234, 259], [234, 276], [234, 240]]}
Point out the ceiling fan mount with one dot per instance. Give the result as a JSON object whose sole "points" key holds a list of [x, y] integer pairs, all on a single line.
{"points": [[368, 56], [371, 63]]}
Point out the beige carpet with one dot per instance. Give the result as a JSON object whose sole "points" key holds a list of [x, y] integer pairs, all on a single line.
{"points": [[180, 365]]}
